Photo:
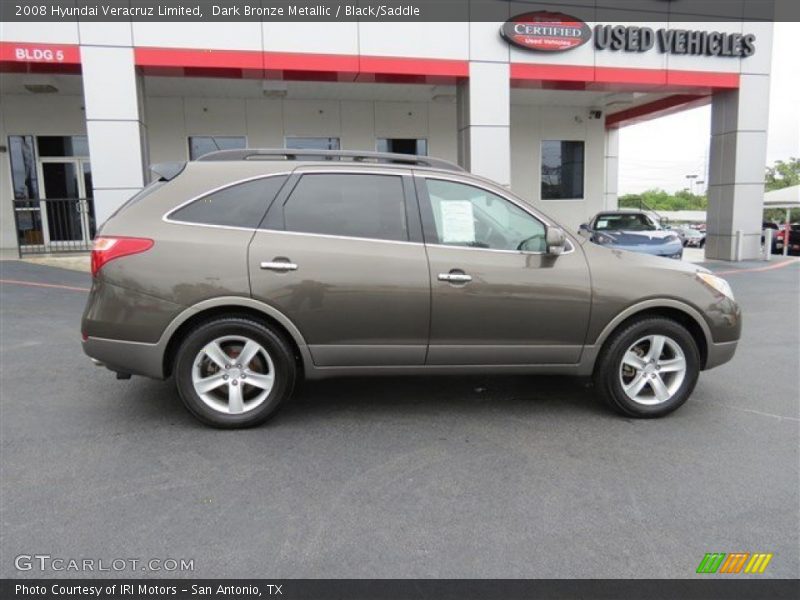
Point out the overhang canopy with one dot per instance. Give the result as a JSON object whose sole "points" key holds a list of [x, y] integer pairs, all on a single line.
{"points": [[788, 197]]}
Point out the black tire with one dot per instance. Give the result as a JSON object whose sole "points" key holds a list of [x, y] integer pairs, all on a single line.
{"points": [[607, 377], [279, 351]]}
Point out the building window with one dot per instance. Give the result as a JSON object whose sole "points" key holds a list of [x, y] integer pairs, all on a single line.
{"points": [[312, 143], [403, 146], [63, 145], [240, 205], [23, 167], [364, 206], [203, 144], [562, 170], [27, 214]]}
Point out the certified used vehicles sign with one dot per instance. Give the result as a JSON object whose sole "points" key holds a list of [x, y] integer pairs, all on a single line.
{"points": [[546, 31]]}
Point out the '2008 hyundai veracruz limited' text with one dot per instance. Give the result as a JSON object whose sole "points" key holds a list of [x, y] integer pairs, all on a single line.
{"points": [[240, 272]]}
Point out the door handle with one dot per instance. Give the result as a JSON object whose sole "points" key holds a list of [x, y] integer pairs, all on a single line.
{"points": [[455, 277], [279, 265]]}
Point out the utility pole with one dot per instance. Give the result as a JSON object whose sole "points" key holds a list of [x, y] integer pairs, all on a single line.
{"points": [[691, 179]]}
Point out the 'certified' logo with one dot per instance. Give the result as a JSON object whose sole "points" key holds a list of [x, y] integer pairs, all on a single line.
{"points": [[546, 31]]}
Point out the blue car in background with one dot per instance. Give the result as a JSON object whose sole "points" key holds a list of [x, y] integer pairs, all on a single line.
{"points": [[632, 230]]}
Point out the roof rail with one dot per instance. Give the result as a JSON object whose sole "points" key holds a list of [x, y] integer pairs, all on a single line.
{"points": [[308, 154]]}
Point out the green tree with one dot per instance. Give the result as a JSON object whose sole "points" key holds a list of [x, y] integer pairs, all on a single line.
{"points": [[657, 199], [783, 174]]}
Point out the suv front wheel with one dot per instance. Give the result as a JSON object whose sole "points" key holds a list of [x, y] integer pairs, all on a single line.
{"points": [[234, 372], [648, 368]]}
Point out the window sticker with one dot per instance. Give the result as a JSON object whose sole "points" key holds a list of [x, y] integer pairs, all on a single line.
{"points": [[458, 222]]}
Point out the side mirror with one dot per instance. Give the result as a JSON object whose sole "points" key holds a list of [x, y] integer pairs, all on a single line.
{"points": [[583, 229], [555, 240]]}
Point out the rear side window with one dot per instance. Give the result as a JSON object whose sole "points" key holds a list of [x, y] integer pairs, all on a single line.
{"points": [[239, 205], [365, 206]]}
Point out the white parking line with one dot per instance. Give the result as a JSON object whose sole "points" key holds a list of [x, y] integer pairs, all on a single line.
{"points": [[44, 285]]}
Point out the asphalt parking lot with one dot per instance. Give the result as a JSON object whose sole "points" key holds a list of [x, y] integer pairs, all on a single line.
{"points": [[421, 477]]}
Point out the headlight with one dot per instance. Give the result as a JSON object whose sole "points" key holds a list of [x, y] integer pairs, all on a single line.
{"points": [[601, 238], [718, 284]]}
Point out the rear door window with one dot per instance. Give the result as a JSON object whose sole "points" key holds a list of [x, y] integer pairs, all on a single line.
{"points": [[238, 205], [351, 205]]}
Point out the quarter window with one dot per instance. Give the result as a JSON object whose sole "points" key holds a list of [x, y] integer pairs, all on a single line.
{"points": [[365, 206], [562, 170], [240, 205], [465, 215]]}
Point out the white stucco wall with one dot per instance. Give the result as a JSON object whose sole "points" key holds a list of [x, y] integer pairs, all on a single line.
{"points": [[163, 123], [358, 124]]}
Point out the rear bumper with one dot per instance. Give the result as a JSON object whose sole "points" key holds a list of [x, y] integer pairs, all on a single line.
{"points": [[136, 358], [720, 353]]}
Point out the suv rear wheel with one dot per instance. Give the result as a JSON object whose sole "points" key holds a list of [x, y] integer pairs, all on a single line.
{"points": [[648, 368], [234, 372]]}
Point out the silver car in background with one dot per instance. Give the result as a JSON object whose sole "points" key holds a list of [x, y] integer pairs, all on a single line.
{"points": [[633, 230]]}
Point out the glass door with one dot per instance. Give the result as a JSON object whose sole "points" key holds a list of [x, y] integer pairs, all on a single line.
{"points": [[67, 208]]}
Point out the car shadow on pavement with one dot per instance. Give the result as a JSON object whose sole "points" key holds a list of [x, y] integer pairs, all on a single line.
{"points": [[381, 397], [388, 397]]}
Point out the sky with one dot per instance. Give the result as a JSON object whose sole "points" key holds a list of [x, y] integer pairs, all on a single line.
{"points": [[660, 153]]}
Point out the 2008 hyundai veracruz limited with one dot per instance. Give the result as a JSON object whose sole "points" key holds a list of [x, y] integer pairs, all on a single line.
{"points": [[244, 270]]}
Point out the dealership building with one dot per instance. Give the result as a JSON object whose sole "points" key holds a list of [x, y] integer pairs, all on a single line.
{"points": [[535, 103]]}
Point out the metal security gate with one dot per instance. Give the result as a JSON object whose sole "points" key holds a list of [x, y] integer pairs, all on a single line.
{"points": [[54, 225]]}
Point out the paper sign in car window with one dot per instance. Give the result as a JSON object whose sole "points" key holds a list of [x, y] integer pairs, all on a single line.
{"points": [[458, 223], [602, 224]]}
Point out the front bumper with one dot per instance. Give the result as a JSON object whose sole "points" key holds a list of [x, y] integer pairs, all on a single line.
{"points": [[720, 353], [665, 251]]}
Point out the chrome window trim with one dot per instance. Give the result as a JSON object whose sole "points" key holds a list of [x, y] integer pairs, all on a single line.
{"points": [[520, 252], [341, 237], [166, 216], [525, 209], [398, 171]]}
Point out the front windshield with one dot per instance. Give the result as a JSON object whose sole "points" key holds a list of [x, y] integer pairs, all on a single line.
{"points": [[623, 222]]}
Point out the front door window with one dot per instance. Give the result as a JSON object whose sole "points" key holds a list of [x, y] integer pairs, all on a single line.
{"points": [[465, 215]]}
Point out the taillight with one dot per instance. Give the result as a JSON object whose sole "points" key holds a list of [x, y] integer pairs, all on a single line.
{"points": [[106, 249]]}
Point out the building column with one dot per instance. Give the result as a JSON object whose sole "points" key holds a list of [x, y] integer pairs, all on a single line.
{"points": [[738, 156], [113, 95], [611, 172], [484, 121]]}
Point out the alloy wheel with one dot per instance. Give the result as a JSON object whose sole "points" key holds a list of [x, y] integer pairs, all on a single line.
{"points": [[652, 370], [233, 374]]}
